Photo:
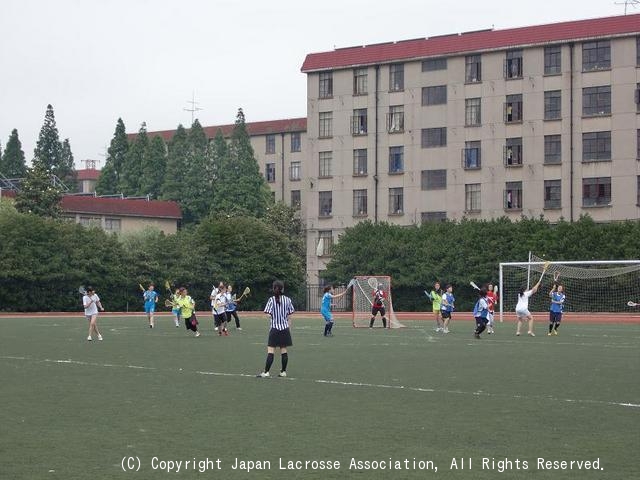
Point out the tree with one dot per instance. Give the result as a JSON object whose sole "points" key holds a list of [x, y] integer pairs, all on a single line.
{"points": [[175, 171], [219, 160], [66, 170], [197, 196], [110, 175], [13, 163], [239, 186], [131, 175], [48, 150], [154, 165], [39, 194], [287, 220]]}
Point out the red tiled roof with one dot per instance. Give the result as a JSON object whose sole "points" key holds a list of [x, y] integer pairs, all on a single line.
{"points": [[120, 206], [483, 40], [254, 128], [88, 174], [4, 193]]}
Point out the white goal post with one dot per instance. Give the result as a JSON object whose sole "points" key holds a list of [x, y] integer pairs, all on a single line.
{"points": [[590, 286], [363, 300]]}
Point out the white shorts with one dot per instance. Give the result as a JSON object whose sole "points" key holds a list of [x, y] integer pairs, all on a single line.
{"points": [[523, 313]]}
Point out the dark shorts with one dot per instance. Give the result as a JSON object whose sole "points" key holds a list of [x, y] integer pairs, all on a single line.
{"points": [[219, 318], [279, 338], [555, 317], [375, 310], [481, 321], [191, 323], [446, 314]]}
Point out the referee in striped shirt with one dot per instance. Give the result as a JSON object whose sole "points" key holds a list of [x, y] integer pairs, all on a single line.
{"points": [[278, 307]]}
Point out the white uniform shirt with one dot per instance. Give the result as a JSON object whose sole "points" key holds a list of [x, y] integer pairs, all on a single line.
{"points": [[214, 292], [220, 303], [523, 302], [90, 308]]}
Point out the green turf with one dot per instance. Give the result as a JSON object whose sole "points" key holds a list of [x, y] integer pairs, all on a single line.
{"points": [[72, 409]]}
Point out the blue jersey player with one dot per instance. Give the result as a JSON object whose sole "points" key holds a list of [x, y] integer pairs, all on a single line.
{"points": [[325, 308], [150, 297]]}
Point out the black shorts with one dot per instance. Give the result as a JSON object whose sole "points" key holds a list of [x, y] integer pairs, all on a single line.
{"points": [[375, 309], [481, 321], [279, 338], [446, 314], [191, 323], [555, 317]]}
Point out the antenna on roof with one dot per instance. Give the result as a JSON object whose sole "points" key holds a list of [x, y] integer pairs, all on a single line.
{"points": [[194, 106], [628, 3]]}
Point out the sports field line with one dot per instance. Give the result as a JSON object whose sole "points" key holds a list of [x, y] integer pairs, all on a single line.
{"points": [[343, 383]]}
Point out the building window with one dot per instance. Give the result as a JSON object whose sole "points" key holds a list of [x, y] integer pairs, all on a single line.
{"points": [[296, 201], [552, 105], [296, 143], [396, 77], [325, 124], [472, 68], [471, 155], [360, 203], [90, 221], [325, 201], [596, 191], [360, 81], [513, 152], [513, 64], [396, 201], [596, 101], [396, 159], [434, 64], [395, 119], [434, 137], [513, 109], [428, 217], [472, 112], [552, 149], [596, 55], [552, 193], [326, 237], [513, 196], [112, 224], [596, 146], [325, 164], [433, 180], [270, 172], [360, 162], [472, 197], [326, 85], [359, 122], [270, 144], [636, 97], [434, 95], [552, 60], [294, 171]]}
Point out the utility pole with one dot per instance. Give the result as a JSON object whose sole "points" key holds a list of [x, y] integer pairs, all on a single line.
{"points": [[194, 106], [627, 3]]}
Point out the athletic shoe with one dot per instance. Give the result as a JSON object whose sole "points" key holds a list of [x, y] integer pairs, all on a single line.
{"points": [[197, 334], [89, 338], [446, 330], [219, 333], [150, 326], [100, 337], [263, 375], [215, 329], [177, 325], [531, 334], [555, 332], [517, 334], [282, 374], [239, 329], [549, 334]]}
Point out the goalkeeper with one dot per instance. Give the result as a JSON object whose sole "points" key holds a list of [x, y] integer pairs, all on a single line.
{"points": [[377, 306]]}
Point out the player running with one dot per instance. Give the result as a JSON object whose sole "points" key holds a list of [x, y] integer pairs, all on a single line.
{"points": [[447, 307], [150, 297], [555, 310]]}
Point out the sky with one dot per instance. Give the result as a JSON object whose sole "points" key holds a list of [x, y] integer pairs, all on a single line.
{"points": [[96, 61]]}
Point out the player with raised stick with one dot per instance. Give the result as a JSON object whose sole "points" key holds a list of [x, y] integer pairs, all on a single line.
{"points": [[377, 306], [557, 297], [325, 308], [481, 312], [522, 307], [150, 297]]}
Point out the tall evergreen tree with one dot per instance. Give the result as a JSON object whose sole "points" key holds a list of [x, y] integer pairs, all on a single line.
{"points": [[13, 163], [154, 165], [48, 151], [240, 187], [66, 170], [38, 193], [174, 177], [219, 162], [109, 180], [197, 197], [132, 167]]}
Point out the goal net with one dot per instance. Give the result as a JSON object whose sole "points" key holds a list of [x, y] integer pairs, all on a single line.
{"points": [[589, 286], [364, 288]]}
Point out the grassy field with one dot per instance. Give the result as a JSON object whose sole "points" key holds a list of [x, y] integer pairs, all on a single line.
{"points": [[73, 409]]}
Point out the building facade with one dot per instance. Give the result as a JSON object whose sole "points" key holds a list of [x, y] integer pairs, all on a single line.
{"points": [[540, 120]]}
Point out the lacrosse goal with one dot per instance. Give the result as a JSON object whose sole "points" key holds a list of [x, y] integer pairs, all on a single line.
{"points": [[363, 295], [589, 286]]}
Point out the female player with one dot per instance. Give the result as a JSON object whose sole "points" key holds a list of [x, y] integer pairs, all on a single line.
{"points": [[150, 297], [447, 307], [279, 307], [481, 312], [176, 309], [325, 309], [219, 311], [377, 306], [555, 310], [522, 308], [187, 311], [492, 299], [232, 305], [436, 302], [91, 303]]}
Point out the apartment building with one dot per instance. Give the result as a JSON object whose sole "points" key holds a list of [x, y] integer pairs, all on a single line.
{"points": [[540, 120]]}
